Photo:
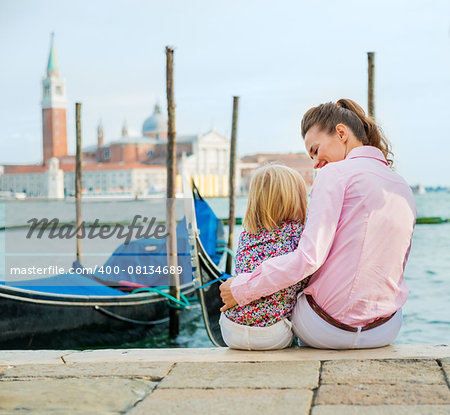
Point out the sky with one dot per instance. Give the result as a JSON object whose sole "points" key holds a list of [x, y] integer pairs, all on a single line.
{"points": [[280, 57]]}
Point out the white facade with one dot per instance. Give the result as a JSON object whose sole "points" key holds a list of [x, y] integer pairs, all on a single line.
{"points": [[47, 184], [208, 164], [55, 180], [33, 184], [54, 92], [134, 181], [55, 184]]}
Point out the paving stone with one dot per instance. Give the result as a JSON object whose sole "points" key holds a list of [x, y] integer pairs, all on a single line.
{"points": [[49, 396], [446, 366], [59, 412], [222, 354], [13, 357], [381, 410], [225, 402], [375, 394], [426, 371], [149, 370], [243, 375]]}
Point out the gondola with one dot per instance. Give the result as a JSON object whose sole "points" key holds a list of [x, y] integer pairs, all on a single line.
{"points": [[84, 311]]}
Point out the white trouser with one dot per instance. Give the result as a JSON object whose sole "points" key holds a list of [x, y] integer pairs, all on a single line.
{"points": [[314, 331], [238, 336]]}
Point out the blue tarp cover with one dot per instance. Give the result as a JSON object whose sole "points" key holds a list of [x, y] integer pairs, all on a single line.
{"points": [[207, 223], [71, 284]]}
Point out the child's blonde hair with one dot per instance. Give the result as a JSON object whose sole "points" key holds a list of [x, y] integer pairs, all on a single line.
{"points": [[277, 194]]}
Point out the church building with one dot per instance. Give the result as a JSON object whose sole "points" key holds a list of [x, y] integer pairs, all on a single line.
{"points": [[130, 165]]}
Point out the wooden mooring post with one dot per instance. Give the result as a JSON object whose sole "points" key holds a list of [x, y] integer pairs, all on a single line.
{"points": [[172, 259], [78, 181], [371, 85], [232, 183]]}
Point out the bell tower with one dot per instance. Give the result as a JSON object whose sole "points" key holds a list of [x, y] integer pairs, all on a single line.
{"points": [[54, 129]]}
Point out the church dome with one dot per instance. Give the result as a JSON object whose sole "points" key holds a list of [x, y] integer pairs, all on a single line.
{"points": [[156, 123]]}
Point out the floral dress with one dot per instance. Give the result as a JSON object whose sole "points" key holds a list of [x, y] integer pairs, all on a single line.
{"points": [[252, 250]]}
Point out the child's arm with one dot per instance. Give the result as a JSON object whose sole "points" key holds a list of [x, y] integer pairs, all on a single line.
{"points": [[239, 265]]}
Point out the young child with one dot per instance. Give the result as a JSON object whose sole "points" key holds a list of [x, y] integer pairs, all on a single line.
{"points": [[273, 225]]}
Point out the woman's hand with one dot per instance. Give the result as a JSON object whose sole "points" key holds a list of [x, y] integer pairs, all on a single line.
{"points": [[225, 293]]}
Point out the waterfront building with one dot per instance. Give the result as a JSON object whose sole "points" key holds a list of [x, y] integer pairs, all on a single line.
{"points": [[54, 103], [155, 126], [118, 179], [33, 180], [298, 161], [134, 163], [206, 159], [131, 165], [203, 157]]}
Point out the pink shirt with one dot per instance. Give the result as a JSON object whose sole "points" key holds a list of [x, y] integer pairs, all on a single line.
{"points": [[355, 243]]}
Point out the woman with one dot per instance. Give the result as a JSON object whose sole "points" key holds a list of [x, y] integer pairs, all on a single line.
{"points": [[355, 243]]}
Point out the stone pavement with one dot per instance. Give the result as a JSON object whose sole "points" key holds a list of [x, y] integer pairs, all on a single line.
{"points": [[400, 379]]}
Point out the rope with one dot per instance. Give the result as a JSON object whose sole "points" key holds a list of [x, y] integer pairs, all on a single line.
{"points": [[222, 247], [223, 277], [227, 250], [184, 303], [129, 320]]}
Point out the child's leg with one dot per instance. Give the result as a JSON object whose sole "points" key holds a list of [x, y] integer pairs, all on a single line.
{"points": [[275, 336]]}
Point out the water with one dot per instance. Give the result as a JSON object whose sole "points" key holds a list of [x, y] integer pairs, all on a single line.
{"points": [[426, 313]]}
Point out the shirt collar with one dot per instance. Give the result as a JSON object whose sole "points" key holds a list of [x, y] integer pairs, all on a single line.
{"points": [[367, 152]]}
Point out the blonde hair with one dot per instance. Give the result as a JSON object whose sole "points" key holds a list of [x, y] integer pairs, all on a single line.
{"points": [[277, 194]]}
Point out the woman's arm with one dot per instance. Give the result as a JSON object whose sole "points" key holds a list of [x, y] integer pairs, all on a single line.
{"points": [[327, 198]]}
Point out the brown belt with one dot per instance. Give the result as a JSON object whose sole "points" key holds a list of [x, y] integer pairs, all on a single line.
{"points": [[338, 324]]}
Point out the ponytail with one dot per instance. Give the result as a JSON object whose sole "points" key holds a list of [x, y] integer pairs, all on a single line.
{"points": [[349, 113], [374, 135]]}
